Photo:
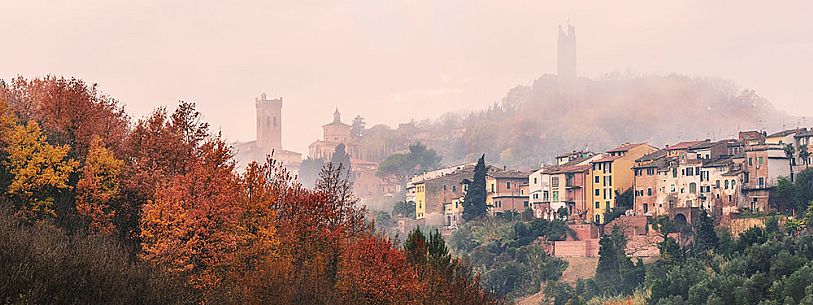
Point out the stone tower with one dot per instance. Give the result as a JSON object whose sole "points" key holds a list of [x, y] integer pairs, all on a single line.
{"points": [[269, 123], [567, 52]]}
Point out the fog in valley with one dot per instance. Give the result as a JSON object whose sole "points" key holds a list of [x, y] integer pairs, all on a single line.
{"points": [[403, 61]]}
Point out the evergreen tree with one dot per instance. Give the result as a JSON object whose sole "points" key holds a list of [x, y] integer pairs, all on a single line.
{"points": [[416, 248], [615, 271], [357, 129], [439, 256], [474, 203], [341, 160], [705, 238]]}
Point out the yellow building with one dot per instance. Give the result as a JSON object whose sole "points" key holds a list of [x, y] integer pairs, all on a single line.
{"points": [[420, 200], [611, 175]]}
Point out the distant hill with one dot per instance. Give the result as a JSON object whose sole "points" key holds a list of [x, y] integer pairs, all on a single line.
{"points": [[532, 124]]}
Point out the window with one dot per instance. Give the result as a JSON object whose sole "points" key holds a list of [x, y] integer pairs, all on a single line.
{"points": [[649, 191], [673, 188], [508, 185], [726, 184], [610, 180], [646, 208], [730, 198], [607, 205], [492, 187], [555, 196], [674, 173], [454, 188], [717, 184], [597, 179], [535, 181], [525, 204], [554, 181], [598, 205], [733, 183], [275, 121], [598, 192], [693, 188], [610, 168], [761, 182], [750, 161], [760, 160]]}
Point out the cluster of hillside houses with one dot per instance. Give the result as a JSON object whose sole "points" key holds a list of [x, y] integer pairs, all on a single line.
{"points": [[725, 178]]}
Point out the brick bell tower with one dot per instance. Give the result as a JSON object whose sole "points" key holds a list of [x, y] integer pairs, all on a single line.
{"points": [[269, 123]]}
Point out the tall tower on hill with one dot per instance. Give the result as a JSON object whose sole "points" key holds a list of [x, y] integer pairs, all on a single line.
{"points": [[567, 52], [269, 123]]}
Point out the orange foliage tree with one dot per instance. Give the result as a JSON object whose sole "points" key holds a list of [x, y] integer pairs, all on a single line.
{"points": [[192, 226], [98, 187], [70, 112], [373, 271]]}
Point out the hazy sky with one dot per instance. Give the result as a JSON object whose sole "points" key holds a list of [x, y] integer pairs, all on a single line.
{"points": [[392, 61]]}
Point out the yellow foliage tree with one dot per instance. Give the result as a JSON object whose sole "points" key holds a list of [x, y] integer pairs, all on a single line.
{"points": [[98, 186], [38, 170]]}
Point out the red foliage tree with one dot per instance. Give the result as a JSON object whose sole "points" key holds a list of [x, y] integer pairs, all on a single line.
{"points": [[192, 227], [372, 271]]}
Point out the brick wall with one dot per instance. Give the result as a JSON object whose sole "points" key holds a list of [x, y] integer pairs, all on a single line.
{"points": [[576, 248]]}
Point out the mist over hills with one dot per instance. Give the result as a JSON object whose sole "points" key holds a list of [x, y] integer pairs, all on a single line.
{"points": [[532, 124]]}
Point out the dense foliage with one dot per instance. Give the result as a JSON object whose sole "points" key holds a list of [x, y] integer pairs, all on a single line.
{"points": [[761, 266], [99, 209], [399, 167], [508, 253]]}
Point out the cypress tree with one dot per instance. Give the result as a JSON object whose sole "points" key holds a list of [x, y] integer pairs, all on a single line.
{"points": [[474, 203]]}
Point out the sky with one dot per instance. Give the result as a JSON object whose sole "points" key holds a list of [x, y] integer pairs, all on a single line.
{"points": [[391, 61]]}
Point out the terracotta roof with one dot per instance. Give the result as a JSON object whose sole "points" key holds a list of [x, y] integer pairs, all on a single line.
{"points": [[606, 159], [508, 174], [655, 155], [683, 145], [571, 169], [337, 124], [719, 162], [785, 133], [625, 147], [805, 133], [704, 144]]}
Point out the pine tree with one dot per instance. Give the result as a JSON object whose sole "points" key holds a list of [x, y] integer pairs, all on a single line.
{"points": [[474, 203]]}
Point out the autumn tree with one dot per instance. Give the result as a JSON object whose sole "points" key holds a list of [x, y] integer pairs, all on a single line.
{"points": [[70, 112], [192, 227], [159, 148], [98, 187], [373, 271], [38, 172]]}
